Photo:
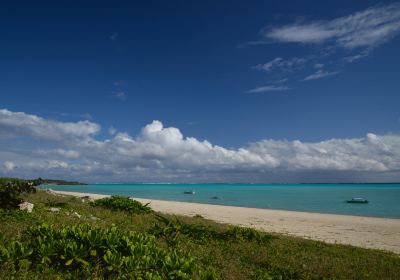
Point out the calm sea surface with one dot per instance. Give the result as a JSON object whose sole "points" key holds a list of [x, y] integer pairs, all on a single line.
{"points": [[384, 199]]}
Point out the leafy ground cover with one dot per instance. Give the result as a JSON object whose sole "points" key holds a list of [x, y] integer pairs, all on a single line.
{"points": [[82, 251], [122, 203], [94, 241]]}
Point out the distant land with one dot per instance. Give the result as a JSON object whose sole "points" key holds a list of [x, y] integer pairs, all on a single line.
{"points": [[60, 182]]}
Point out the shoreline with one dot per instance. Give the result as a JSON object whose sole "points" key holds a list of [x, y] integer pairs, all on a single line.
{"points": [[367, 232]]}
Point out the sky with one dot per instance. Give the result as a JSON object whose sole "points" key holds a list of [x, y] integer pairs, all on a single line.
{"points": [[200, 91]]}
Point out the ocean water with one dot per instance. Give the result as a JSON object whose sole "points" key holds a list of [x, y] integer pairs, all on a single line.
{"points": [[384, 199]]}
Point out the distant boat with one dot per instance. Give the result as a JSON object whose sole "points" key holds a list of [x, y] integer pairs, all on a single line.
{"points": [[189, 192], [357, 200]]}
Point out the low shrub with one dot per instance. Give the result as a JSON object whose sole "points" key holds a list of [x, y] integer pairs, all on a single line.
{"points": [[84, 250], [172, 230], [12, 216], [11, 189], [123, 203], [243, 233]]}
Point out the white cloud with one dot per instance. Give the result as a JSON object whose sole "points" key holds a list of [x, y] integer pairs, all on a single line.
{"points": [[268, 88], [279, 63], [319, 74], [304, 33], [161, 153], [293, 67], [357, 56], [57, 164], [112, 130], [368, 28], [21, 124], [373, 153], [336, 42], [9, 165], [269, 65]]}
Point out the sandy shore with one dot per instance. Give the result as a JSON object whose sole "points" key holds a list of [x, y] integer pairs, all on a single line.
{"points": [[368, 232]]}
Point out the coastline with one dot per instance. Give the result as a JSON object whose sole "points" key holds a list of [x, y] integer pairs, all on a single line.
{"points": [[367, 232]]}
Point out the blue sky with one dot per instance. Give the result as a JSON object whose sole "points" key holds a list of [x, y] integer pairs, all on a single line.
{"points": [[233, 74]]}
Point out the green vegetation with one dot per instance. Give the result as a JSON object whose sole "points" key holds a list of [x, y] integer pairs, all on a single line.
{"points": [[171, 231], [122, 203], [105, 241], [83, 250], [11, 189], [60, 182]]}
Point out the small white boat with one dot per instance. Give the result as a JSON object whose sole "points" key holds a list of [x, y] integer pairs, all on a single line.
{"points": [[189, 192], [357, 200]]}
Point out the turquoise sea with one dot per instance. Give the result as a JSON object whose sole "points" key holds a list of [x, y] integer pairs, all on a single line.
{"points": [[384, 199]]}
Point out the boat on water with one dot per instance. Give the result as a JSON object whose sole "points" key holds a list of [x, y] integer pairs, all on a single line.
{"points": [[357, 200], [189, 192]]}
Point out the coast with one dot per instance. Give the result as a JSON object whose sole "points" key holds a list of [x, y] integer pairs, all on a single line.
{"points": [[367, 232]]}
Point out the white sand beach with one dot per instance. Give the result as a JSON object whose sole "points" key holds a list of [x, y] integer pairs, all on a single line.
{"points": [[367, 232]]}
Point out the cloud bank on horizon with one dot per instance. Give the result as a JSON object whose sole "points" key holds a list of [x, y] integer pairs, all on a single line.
{"points": [[334, 44], [32, 146]]}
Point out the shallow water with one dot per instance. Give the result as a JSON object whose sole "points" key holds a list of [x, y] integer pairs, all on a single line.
{"points": [[384, 199]]}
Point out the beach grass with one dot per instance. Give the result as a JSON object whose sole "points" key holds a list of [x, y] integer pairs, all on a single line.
{"points": [[220, 251]]}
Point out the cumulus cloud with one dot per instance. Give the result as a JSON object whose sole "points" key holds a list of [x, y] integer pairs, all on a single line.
{"points": [[371, 153], [161, 153], [21, 124]]}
